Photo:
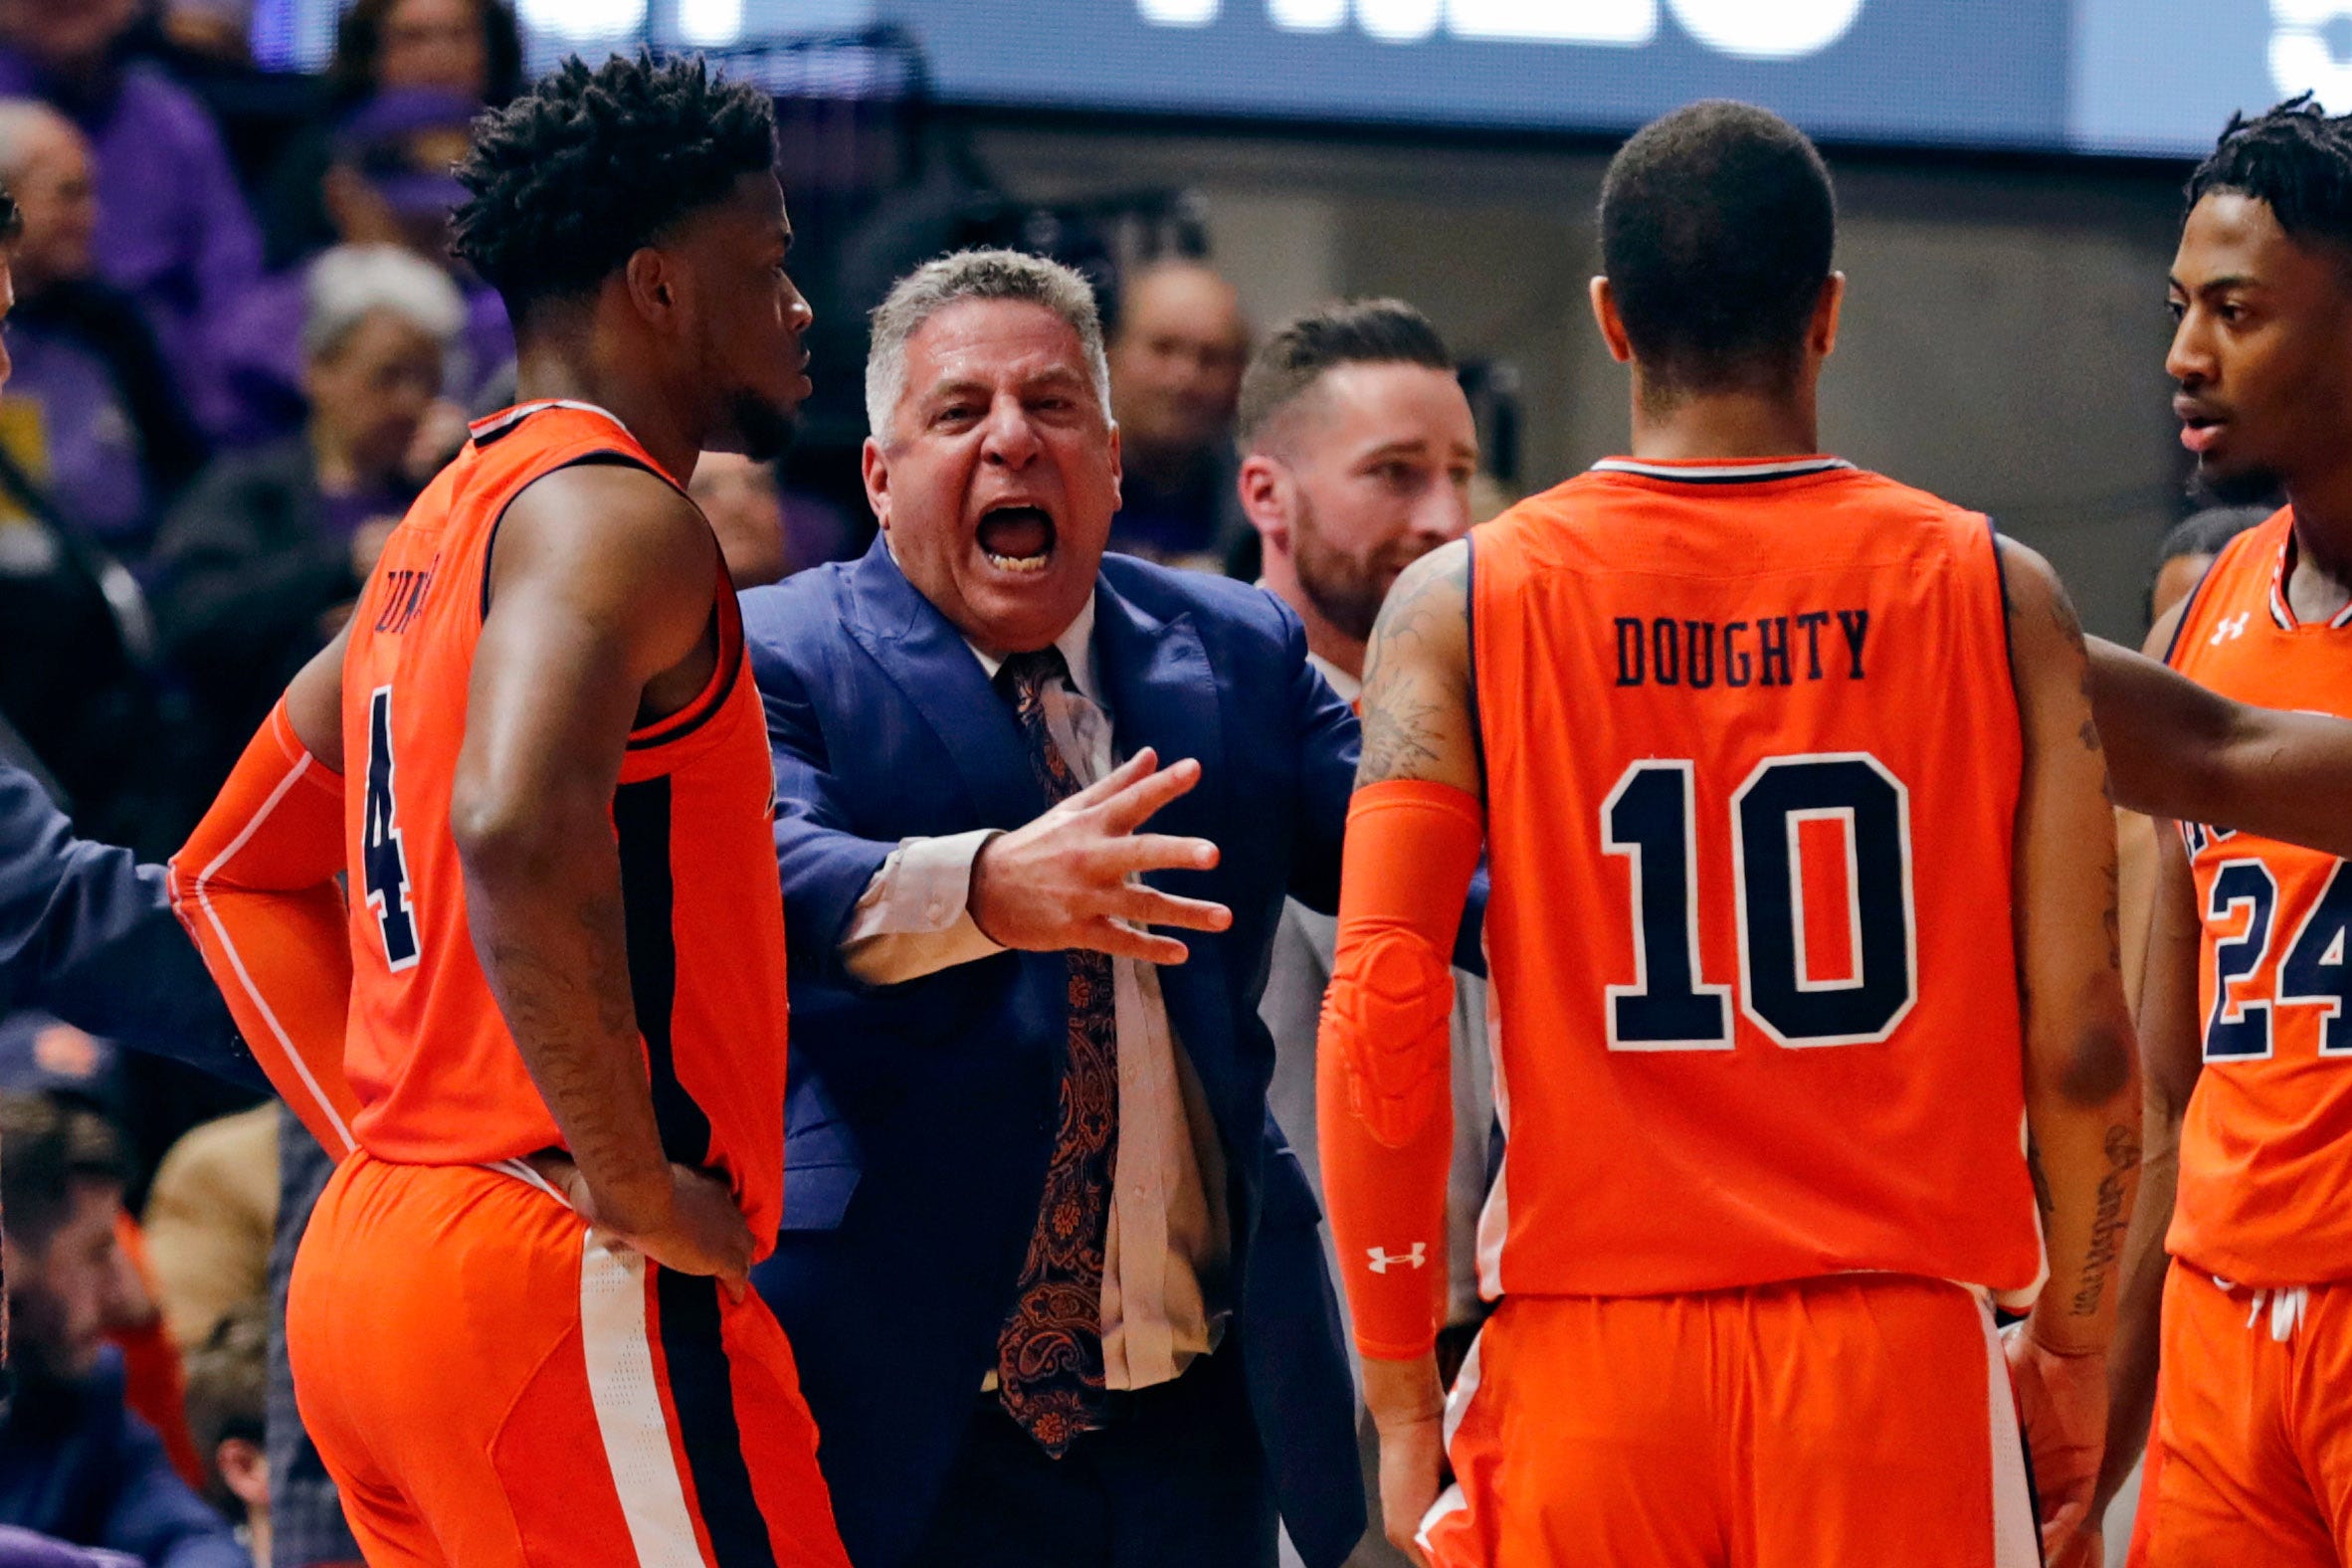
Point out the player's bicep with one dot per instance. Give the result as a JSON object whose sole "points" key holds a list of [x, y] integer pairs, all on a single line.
{"points": [[602, 580], [2068, 928], [1417, 717], [314, 703]]}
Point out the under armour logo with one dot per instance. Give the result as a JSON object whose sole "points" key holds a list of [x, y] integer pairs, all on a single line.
{"points": [[2229, 628], [1383, 1260]]}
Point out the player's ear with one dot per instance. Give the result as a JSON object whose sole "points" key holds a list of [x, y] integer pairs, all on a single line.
{"points": [[651, 283], [1822, 336], [1621, 348]]}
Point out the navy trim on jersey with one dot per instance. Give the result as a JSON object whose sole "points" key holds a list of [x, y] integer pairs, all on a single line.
{"points": [[641, 822], [702, 1387], [703, 712], [485, 431], [1722, 472], [2001, 576], [2189, 604]]}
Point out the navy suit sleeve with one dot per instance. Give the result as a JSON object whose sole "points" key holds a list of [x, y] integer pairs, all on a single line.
{"points": [[87, 933], [825, 868], [156, 1517], [1331, 741]]}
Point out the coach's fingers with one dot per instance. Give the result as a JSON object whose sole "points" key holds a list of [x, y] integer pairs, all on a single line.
{"points": [[1122, 940], [1158, 852], [1133, 806], [1141, 906], [1136, 767]]}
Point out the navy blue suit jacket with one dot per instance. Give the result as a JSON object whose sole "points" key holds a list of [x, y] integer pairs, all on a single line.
{"points": [[921, 1115], [87, 933]]}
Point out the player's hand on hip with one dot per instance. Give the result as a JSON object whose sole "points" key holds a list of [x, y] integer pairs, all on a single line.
{"points": [[1408, 1407], [705, 1233], [2061, 1400], [1068, 879]]}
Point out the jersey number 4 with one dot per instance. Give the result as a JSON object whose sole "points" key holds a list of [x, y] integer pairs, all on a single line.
{"points": [[1650, 818], [383, 865]]}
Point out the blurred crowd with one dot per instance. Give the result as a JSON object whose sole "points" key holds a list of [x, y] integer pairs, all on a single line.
{"points": [[238, 354]]}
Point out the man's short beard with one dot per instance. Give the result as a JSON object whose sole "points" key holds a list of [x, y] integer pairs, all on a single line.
{"points": [[763, 431], [1344, 591], [2246, 488]]}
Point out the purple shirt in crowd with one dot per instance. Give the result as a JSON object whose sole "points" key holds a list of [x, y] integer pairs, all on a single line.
{"points": [[90, 458], [173, 229]]}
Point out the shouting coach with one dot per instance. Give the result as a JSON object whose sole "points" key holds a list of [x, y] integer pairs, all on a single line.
{"points": [[1052, 1273]]}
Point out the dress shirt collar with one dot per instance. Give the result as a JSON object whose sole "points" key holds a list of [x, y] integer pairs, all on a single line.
{"points": [[1077, 643]]}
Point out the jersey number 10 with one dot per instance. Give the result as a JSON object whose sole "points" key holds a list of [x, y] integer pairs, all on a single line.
{"points": [[1650, 818]]}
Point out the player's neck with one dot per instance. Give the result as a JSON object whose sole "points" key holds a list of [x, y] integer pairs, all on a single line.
{"points": [[2321, 582], [1724, 425], [572, 368]]}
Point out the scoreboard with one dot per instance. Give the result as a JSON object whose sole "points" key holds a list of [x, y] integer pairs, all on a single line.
{"points": [[2143, 76]]}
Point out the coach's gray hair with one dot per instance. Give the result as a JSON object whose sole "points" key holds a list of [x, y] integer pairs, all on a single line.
{"points": [[975, 275]]}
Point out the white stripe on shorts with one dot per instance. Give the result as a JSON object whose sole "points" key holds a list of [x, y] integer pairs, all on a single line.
{"points": [[628, 1403], [2017, 1540], [1458, 1403]]}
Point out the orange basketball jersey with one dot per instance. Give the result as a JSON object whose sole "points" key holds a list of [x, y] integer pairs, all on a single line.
{"points": [[438, 1079], [2266, 1180], [1752, 756]]}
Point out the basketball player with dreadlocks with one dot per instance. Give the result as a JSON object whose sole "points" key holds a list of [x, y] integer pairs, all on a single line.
{"points": [[518, 1322], [2246, 1013]]}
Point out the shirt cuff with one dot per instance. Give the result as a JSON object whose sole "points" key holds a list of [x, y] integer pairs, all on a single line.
{"points": [[915, 919]]}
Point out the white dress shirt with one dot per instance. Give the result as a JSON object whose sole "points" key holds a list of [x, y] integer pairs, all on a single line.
{"points": [[1169, 1236]]}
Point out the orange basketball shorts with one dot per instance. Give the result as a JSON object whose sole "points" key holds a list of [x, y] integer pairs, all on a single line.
{"points": [[492, 1387], [2250, 1460], [1854, 1420]]}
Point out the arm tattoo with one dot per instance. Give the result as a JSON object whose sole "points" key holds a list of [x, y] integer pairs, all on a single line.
{"points": [[2107, 1227], [1400, 732]]}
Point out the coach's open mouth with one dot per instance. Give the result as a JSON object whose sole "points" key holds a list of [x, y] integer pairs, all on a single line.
{"points": [[1017, 538]]}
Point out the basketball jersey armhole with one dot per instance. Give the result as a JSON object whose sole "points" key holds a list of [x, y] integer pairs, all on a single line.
{"points": [[2001, 581], [2189, 603], [686, 720]]}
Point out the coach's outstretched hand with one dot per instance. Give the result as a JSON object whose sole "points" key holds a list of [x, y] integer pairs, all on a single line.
{"points": [[2062, 1398], [704, 1234], [1066, 879]]}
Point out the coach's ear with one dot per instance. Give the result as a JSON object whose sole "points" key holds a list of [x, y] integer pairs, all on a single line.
{"points": [[1822, 336], [1621, 348]]}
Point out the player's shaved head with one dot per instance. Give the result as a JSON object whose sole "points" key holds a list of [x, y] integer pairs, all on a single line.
{"points": [[587, 167], [1718, 225], [2295, 160]]}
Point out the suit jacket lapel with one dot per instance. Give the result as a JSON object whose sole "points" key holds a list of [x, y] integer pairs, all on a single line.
{"points": [[929, 660], [1163, 694]]}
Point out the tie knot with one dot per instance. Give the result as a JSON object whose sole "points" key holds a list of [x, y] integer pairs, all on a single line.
{"points": [[1022, 677]]}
